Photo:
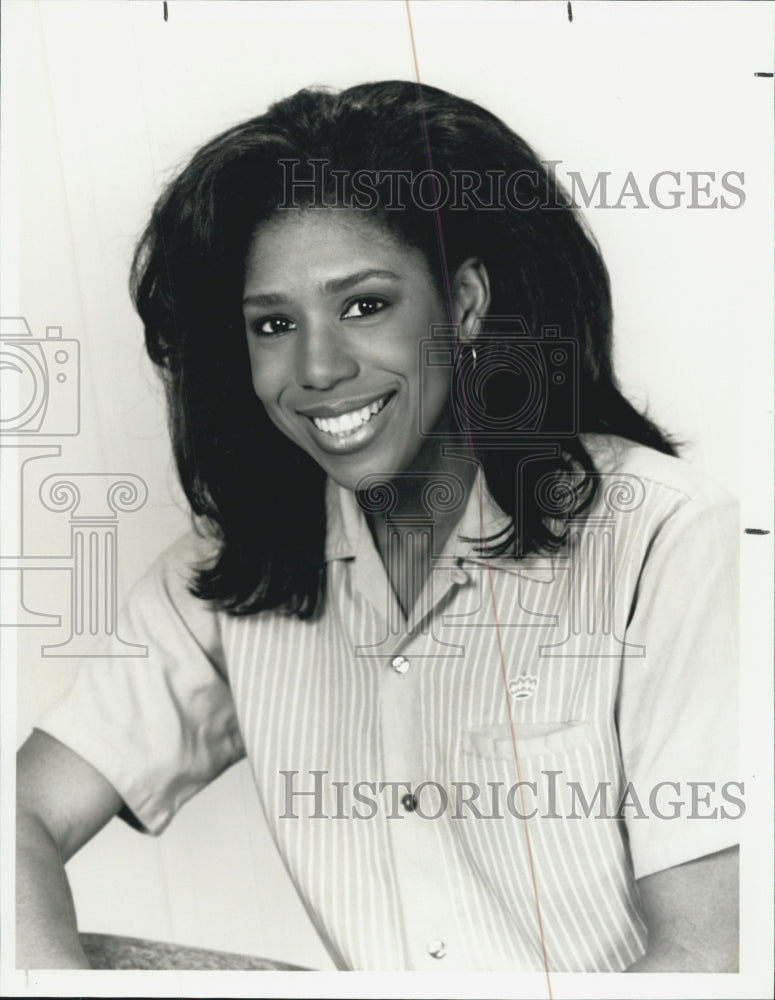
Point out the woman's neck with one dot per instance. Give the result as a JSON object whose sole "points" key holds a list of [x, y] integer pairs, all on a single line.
{"points": [[428, 502]]}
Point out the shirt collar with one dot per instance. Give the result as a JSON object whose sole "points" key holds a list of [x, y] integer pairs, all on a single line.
{"points": [[482, 517], [344, 522]]}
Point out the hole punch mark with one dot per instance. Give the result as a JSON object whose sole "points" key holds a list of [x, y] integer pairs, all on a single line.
{"points": [[755, 531]]}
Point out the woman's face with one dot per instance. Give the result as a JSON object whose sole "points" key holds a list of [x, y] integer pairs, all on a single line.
{"points": [[335, 310]]}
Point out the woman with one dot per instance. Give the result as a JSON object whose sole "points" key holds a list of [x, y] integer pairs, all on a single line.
{"points": [[438, 588]]}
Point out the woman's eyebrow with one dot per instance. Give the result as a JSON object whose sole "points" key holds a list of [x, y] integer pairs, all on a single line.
{"points": [[328, 287], [342, 284], [266, 299]]}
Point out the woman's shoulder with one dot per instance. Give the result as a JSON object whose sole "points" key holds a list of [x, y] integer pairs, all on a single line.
{"points": [[191, 548], [666, 475], [174, 569], [657, 497]]}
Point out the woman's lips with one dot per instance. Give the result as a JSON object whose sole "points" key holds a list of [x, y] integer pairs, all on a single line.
{"points": [[352, 429]]}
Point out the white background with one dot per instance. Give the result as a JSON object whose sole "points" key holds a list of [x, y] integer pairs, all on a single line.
{"points": [[101, 101]]}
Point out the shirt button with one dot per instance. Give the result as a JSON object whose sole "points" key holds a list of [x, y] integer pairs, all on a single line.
{"points": [[400, 664], [409, 802], [437, 949], [459, 576]]}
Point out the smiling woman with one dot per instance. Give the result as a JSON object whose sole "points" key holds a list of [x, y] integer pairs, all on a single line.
{"points": [[434, 542]]}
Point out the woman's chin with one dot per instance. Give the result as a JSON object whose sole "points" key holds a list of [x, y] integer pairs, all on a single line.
{"points": [[358, 475]]}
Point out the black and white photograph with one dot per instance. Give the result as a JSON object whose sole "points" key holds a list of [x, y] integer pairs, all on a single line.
{"points": [[386, 441]]}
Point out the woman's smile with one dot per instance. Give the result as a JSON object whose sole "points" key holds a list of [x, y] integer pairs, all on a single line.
{"points": [[344, 427]]}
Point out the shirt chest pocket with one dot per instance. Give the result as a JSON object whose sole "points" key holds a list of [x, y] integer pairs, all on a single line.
{"points": [[528, 740]]}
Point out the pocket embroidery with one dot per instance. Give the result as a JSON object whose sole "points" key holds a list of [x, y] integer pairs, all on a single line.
{"points": [[523, 686]]}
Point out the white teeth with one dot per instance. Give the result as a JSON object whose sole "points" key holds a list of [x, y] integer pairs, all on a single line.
{"points": [[348, 422]]}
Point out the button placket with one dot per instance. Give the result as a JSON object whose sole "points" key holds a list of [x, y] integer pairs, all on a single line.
{"points": [[419, 865]]}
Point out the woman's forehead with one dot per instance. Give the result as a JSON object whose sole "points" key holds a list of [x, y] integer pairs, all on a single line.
{"points": [[325, 240]]}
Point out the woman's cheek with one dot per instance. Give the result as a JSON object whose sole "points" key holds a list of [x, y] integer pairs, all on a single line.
{"points": [[282, 422], [264, 378]]}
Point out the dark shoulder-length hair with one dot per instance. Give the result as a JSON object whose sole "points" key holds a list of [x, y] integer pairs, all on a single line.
{"points": [[444, 176]]}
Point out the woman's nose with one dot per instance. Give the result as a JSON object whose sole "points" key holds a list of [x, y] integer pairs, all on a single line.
{"points": [[323, 360]]}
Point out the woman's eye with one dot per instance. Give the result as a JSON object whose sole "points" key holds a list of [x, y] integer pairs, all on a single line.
{"points": [[273, 326], [367, 305]]}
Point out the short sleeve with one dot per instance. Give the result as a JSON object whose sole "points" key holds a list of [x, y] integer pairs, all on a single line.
{"points": [[161, 726], [678, 704]]}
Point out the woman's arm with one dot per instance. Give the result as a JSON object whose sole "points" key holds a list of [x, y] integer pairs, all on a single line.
{"points": [[691, 912], [61, 803]]}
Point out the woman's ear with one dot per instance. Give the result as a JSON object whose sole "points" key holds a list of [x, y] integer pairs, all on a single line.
{"points": [[471, 292]]}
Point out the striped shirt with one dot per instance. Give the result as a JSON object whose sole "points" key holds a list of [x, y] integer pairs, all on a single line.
{"points": [[479, 787]]}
